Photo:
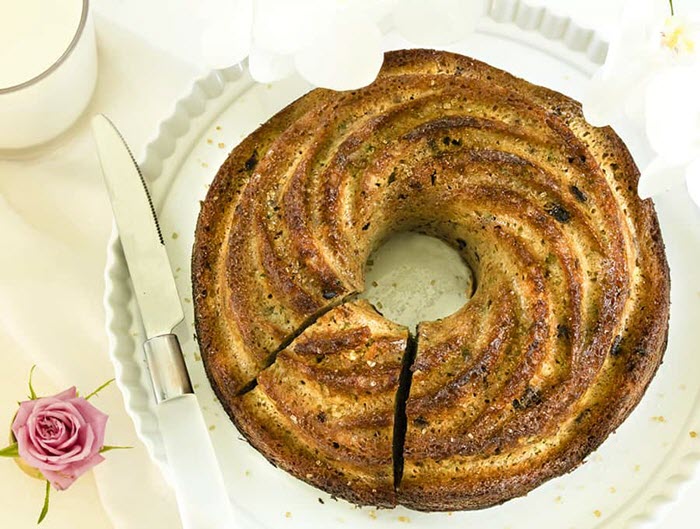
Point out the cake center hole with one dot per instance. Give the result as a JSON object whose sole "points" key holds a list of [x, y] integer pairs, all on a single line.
{"points": [[414, 277]]}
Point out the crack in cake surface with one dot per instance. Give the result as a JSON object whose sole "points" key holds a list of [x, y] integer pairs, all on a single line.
{"points": [[293, 336], [400, 420]]}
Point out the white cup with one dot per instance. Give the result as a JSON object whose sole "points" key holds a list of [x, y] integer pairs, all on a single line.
{"points": [[37, 109]]}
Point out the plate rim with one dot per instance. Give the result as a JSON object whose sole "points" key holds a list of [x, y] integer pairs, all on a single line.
{"points": [[554, 26]]}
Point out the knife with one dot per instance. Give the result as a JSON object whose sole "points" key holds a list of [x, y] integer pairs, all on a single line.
{"points": [[199, 486]]}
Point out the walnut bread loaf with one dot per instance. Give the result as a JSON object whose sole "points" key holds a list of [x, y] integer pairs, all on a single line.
{"points": [[565, 329]]}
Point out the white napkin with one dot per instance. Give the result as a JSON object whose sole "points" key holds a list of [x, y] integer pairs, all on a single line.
{"points": [[55, 221]]}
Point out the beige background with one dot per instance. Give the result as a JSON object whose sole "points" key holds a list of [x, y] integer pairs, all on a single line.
{"points": [[54, 224]]}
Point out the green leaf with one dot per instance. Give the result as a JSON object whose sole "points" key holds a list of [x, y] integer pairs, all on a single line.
{"points": [[10, 451], [32, 393], [107, 448], [103, 386], [45, 508]]}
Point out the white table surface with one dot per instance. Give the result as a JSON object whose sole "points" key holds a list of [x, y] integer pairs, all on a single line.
{"points": [[55, 221]]}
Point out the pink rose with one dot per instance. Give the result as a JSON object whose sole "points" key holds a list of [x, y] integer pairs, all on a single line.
{"points": [[61, 436]]}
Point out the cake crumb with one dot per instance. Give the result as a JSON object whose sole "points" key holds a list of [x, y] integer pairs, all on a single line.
{"points": [[597, 513], [187, 300], [637, 468], [175, 235], [373, 514], [658, 418], [218, 127], [693, 434], [205, 164], [613, 490], [247, 473], [404, 519], [197, 358], [558, 499], [212, 427], [221, 145], [320, 500], [210, 141], [288, 514]]}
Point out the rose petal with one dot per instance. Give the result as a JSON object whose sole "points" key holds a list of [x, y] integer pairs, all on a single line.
{"points": [[345, 56], [70, 440], [23, 446], [53, 462], [36, 458], [50, 429], [84, 451], [437, 22], [69, 418], [51, 432], [94, 417], [25, 409], [61, 444], [65, 412], [69, 408], [69, 393], [61, 480]]}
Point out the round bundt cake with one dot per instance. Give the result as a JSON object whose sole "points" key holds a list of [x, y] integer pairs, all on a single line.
{"points": [[566, 326]]}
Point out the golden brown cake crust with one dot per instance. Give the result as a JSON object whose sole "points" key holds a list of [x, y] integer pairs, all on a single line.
{"points": [[566, 328]]}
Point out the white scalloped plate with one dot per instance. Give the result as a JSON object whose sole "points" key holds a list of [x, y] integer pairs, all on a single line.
{"points": [[624, 484]]}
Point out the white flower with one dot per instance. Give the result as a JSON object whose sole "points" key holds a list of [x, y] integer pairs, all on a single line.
{"points": [[332, 43], [437, 23], [652, 76]]}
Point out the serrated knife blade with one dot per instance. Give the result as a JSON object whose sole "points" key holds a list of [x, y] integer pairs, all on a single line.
{"points": [[139, 231]]}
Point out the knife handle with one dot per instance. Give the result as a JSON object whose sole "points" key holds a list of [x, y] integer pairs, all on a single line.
{"points": [[196, 475], [199, 485]]}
